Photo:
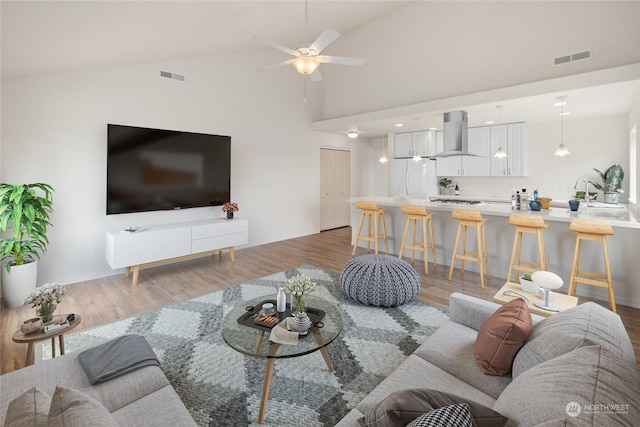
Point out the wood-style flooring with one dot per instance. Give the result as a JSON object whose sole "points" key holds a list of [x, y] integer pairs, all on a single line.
{"points": [[111, 298]]}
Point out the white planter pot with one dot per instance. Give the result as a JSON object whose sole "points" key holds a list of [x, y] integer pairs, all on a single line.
{"points": [[18, 283], [611, 197]]}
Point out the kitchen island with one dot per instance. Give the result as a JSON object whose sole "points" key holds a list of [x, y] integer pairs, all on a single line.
{"points": [[623, 246]]}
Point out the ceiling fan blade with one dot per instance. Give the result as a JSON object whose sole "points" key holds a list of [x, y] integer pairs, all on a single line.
{"points": [[315, 76], [279, 64], [274, 45], [327, 37], [343, 60]]}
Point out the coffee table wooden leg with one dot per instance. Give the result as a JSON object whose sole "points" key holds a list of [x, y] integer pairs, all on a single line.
{"points": [[259, 340], [323, 350], [268, 375], [61, 339], [30, 355], [53, 347]]}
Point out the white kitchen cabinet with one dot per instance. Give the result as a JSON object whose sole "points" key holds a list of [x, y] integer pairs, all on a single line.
{"points": [[479, 143], [512, 137], [408, 143]]}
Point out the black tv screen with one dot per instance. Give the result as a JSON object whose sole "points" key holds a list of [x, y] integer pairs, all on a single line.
{"points": [[155, 169]]}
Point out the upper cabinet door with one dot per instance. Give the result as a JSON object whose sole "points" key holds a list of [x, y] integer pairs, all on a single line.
{"points": [[407, 144], [512, 138], [499, 138], [517, 149], [402, 145], [480, 144], [420, 141]]}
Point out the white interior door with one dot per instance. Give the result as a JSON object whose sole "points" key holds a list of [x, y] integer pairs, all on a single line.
{"points": [[335, 184], [343, 188]]}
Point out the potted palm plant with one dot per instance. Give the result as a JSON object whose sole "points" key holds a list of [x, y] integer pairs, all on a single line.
{"points": [[611, 183], [24, 219]]}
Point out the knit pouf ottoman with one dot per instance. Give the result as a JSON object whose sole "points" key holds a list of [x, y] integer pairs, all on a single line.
{"points": [[379, 280]]}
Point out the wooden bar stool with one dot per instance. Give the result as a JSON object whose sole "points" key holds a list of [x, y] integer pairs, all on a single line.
{"points": [[466, 219], [371, 210], [596, 231], [415, 214], [532, 224]]}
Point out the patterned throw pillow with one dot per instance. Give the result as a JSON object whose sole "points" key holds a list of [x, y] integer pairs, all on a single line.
{"points": [[457, 415]]}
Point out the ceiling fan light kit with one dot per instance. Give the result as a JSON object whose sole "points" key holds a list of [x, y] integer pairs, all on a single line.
{"points": [[306, 64], [307, 55]]}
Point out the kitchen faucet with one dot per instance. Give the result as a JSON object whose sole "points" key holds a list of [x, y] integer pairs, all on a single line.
{"points": [[586, 188]]}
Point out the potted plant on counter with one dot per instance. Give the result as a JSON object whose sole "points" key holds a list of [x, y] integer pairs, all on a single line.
{"points": [[445, 184], [611, 183], [25, 213]]}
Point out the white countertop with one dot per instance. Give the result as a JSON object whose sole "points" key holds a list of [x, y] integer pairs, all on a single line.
{"points": [[618, 216]]}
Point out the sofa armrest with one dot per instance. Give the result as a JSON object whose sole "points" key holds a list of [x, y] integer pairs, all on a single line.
{"points": [[470, 311]]}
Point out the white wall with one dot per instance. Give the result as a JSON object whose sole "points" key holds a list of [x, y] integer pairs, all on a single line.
{"points": [[594, 143], [633, 123], [375, 175], [433, 50], [54, 130]]}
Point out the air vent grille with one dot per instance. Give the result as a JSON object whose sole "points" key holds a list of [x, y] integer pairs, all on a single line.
{"points": [[573, 57], [170, 75]]}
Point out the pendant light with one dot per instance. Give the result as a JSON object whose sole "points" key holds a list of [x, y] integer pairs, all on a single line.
{"points": [[383, 159], [500, 153], [562, 149]]}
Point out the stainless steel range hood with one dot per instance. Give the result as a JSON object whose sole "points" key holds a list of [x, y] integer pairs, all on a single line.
{"points": [[456, 129]]}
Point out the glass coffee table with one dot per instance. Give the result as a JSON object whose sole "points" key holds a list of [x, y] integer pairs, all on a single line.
{"points": [[249, 340]]}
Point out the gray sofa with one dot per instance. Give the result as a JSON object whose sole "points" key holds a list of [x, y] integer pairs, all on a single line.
{"points": [[141, 397], [576, 368]]}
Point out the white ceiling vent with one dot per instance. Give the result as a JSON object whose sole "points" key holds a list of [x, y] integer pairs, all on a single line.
{"points": [[573, 57], [170, 75]]}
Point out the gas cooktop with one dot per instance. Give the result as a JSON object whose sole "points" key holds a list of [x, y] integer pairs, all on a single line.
{"points": [[458, 201]]}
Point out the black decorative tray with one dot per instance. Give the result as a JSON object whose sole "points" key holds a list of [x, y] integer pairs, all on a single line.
{"points": [[253, 312]]}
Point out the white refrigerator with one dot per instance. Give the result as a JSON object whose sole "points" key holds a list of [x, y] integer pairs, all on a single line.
{"points": [[416, 180]]}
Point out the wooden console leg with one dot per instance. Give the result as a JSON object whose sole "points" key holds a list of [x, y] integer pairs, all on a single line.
{"points": [[136, 273], [233, 254], [127, 271]]}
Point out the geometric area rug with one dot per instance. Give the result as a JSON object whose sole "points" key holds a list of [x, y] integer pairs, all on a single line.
{"points": [[222, 387]]}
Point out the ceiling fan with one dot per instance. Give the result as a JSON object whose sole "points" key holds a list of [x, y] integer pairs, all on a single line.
{"points": [[307, 56]]}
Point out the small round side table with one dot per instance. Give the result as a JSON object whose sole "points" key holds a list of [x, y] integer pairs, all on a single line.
{"points": [[35, 337]]}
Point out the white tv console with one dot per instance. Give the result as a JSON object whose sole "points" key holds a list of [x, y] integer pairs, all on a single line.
{"points": [[171, 242]]}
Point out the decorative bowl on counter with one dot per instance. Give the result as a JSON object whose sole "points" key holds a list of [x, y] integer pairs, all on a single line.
{"points": [[535, 205], [546, 202]]}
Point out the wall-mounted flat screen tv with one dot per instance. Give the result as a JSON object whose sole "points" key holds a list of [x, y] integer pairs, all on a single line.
{"points": [[156, 169]]}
